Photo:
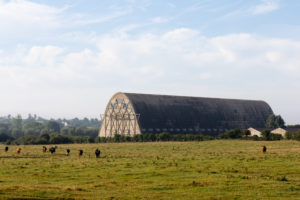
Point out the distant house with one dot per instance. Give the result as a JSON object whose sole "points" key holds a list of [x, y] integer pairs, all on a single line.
{"points": [[283, 131], [255, 131], [280, 131], [65, 124]]}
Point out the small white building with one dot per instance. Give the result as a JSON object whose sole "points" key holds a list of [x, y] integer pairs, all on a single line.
{"points": [[283, 131], [280, 131], [254, 131]]}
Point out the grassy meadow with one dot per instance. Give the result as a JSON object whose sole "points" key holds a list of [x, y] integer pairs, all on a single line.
{"points": [[218, 169]]}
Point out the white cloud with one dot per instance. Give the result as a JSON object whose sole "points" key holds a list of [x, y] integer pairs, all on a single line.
{"points": [[28, 15], [181, 50], [25, 18], [43, 56], [265, 7], [88, 20], [158, 20], [181, 60]]}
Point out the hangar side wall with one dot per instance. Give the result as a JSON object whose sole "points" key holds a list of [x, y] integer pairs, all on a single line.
{"points": [[178, 114]]}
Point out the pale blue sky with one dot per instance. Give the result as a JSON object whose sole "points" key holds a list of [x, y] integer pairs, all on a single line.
{"points": [[67, 58]]}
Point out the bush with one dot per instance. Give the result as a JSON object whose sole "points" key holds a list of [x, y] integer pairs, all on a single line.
{"points": [[254, 137], [4, 137], [296, 136], [101, 140], [267, 135], [117, 138], [60, 139], [275, 136], [26, 140], [289, 135], [137, 138], [164, 136], [231, 134], [148, 137]]}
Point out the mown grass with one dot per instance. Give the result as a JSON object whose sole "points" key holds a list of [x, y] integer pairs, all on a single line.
{"points": [[219, 169]]}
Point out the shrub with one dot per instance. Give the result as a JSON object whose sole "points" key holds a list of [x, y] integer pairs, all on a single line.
{"points": [[164, 136], [59, 139], [231, 134], [267, 135], [4, 137], [296, 136], [26, 140], [137, 138]]}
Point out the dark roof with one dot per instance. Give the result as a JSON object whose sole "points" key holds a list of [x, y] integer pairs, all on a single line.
{"points": [[165, 112], [291, 130], [264, 129]]}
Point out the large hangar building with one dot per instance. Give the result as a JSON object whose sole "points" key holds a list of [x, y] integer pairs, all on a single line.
{"points": [[131, 113]]}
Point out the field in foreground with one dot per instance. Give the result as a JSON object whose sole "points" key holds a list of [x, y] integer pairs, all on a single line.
{"points": [[216, 169]]}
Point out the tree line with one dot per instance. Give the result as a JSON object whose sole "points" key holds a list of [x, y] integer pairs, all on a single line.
{"points": [[55, 138], [37, 130]]}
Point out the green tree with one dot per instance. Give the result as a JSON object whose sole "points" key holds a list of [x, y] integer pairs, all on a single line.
{"points": [[34, 125], [53, 126], [17, 123], [246, 133], [275, 121], [80, 131], [45, 137], [231, 134], [4, 128], [4, 137], [16, 133], [59, 139], [33, 128], [164, 136]]}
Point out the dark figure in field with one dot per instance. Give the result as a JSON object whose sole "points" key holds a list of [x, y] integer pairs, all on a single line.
{"points": [[18, 150], [6, 149], [52, 150], [80, 152], [44, 149], [67, 152], [97, 153], [264, 149]]}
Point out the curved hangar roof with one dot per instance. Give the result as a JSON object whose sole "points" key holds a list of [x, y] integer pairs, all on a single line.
{"points": [[158, 113]]}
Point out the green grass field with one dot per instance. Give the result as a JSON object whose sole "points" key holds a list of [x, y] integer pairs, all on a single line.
{"points": [[218, 169]]}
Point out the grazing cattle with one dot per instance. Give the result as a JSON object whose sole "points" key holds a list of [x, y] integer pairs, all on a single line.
{"points": [[44, 149], [97, 153], [18, 150], [6, 149], [52, 150], [80, 152], [264, 149], [67, 152]]}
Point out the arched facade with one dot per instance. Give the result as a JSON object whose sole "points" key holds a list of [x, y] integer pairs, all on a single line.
{"points": [[119, 117], [130, 114]]}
